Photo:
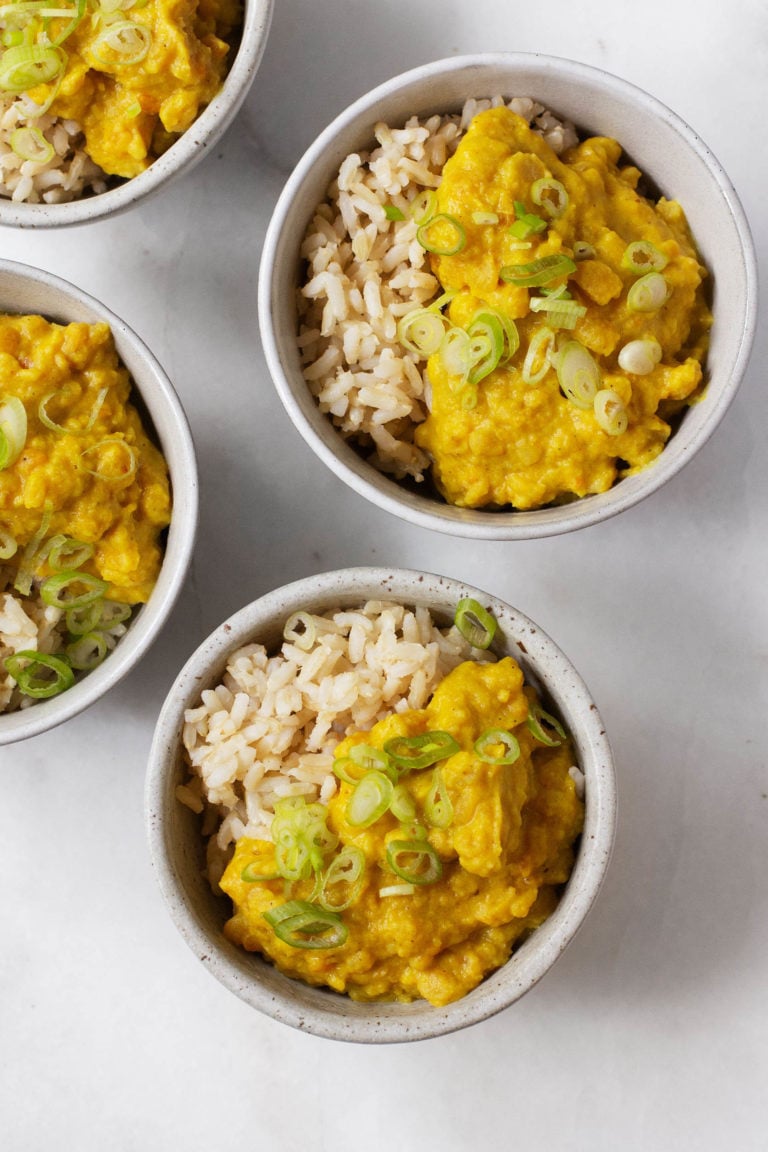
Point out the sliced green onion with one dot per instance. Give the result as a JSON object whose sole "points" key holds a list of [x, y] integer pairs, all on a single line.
{"points": [[42, 413], [410, 753], [66, 553], [370, 758], [304, 925], [26, 573], [648, 294], [536, 718], [77, 16], [98, 616], [87, 652], [438, 808], [537, 272], [527, 224], [27, 65], [13, 430], [456, 240], [412, 830], [252, 873], [422, 331], [537, 359], [444, 299], [397, 890], [640, 356], [642, 256], [422, 207], [583, 251], [346, 873], [414, 860], [8, 545], [30, 144], [110, 478], [56, 591], [123, 42], [134, 110], [300, 629], [370, 799], [550, 195], [578, 374], [477, 626], [392, 212], [11, 37], [38, 674], [497, 738], [560, 313], [301, 837], [345, 768], [402, 805], [456, 353], [484, 218], [610, 412], [488, 326]]}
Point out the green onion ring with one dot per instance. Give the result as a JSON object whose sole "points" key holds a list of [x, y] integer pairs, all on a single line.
{"points": [[641, 256], [8, 545], [476, 625], [252, 876], [537, 272], [414, 860], [370, 799], [438, 808], [550, 195], [305, 925], [87, 652], [421, 751], [578, 374], [648, 294], [492, 738], [348, 869], [448, 247], [64, 552], [300, 629], [536, 715], [55, 591], [537, 359], [28, 669], [402, 805]]}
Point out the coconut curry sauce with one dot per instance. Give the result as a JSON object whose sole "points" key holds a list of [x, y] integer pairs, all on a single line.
{"points": [[138, 74], [86, 469], [496, 845], [612, 333]]}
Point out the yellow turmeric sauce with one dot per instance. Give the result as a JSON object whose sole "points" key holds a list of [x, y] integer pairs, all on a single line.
{"points": [[130, 112], [505, 853], [95, 477], [515, 442]]}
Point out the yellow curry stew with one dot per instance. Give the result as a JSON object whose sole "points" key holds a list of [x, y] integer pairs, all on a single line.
{"points": [[84, 493], [448, 841], [572, 326], [134, 74]]}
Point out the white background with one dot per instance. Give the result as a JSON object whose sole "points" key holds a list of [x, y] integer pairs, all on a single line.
{"points": [[651, 1032]]}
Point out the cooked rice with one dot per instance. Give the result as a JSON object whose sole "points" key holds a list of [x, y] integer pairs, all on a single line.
{"points": [[364, 272], [66, 176], [28, 624], [270, 729]]}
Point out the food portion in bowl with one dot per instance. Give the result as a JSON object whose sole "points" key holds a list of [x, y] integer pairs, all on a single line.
{"points": [[94, 90], [388, 806], [84, 501], [493, 305]]}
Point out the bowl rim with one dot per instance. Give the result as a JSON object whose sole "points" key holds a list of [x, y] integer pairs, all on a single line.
{"points": [[183, 154], [179, 452], [382, 490], [381, 1023]]}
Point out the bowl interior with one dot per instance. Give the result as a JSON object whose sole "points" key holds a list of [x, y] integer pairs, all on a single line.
{"points": [[28, 290], [183, 154], [668, 152], [177, 845]]}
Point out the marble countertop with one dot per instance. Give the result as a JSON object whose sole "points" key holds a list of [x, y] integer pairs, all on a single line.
{"points": [[651, 1033]]}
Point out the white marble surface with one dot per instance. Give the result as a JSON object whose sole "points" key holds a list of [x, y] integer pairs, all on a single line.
{"points": [[651, 1033]]}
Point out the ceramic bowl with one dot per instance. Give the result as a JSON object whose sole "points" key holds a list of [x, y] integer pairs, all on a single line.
{"points": [[28, 290], [673, 157], [187, 151], [176, 842]]}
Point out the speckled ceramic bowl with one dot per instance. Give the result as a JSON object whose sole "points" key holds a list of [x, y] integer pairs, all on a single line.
{"points": [[177, 848], [28, 290], [187, 151], [669, 152]]}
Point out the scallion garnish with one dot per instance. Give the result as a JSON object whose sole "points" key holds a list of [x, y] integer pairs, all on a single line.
{"points": [[39, 674], [27, 65], [13, 430], [26, 573], [254, 872], [300, 629], [641, 256], [583, 251], [610, 412], [109, 466], [422, 331], [373, 759], [8, 545], [414, 860], [560, 313], [87, 652], [392, 212], [411, 753], [640, 356], [442, 235], [342, 883], [60, 591], [301, 837], [578, 374], [550, 195], [497, 746], [484, 218], [29, 144], [438, 809], [397, 890], [537, 359], [42, 413], [527, 224], [305, 925], [537, 272], [122, 43], [402, 805], [64, 553], [536, 720], [477, 626], [648, 294], [370, 799]]}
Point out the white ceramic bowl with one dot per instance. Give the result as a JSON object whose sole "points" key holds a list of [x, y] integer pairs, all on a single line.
{"points": [[187, 151], [177, 848], [28, 290], [658, 141]]}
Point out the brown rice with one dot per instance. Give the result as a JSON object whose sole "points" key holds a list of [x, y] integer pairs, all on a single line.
{"points": [[66, 176]]}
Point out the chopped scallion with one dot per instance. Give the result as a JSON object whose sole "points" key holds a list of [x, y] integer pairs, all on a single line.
{"points": [[497, 746], [537, 272], [475, 623], [442, 235]]}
